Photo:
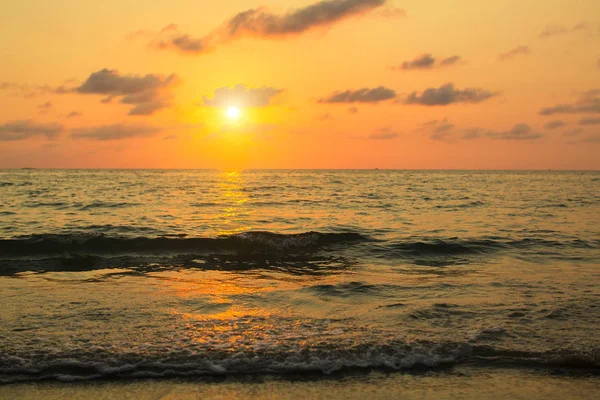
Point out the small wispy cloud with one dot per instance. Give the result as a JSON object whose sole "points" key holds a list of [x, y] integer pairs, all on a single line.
{"points": [[30, 91], [518, 132], [516, 52], [45, 108], [473, 133], [116, 131], [383, 134], [557, 30], [588, 102], [364, 95], [573, 132], [595, 139], [589, 121], [427, 61], [448, 94], [555, 124], [25, 129]]}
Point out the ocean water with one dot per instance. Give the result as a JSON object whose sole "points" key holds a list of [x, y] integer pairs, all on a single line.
{"points": [[151, 274]]}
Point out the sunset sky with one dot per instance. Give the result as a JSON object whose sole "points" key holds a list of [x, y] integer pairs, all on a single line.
{"points": [[409, 84]]}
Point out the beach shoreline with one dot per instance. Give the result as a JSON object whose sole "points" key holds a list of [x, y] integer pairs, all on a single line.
{"points": [[464, 382]]}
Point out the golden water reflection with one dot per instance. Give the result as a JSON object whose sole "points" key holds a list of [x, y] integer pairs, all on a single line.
{"points": [[234, 214]]}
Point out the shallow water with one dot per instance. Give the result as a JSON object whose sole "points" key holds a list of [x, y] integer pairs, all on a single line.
{"points": [[129, 274]]}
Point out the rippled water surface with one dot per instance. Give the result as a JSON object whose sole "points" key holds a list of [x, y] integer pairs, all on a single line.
{"points": [[108, 274]]}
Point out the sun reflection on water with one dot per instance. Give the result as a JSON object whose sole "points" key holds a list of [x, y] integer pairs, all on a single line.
{"points": [[234, 214]]}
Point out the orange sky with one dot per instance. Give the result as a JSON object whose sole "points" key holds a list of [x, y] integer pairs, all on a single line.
{"points": [[333, 84]]}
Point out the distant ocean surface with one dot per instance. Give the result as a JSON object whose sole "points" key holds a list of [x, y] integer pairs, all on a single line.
{"points": [[112, 274]]}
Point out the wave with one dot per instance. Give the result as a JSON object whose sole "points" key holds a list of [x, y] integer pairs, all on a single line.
{"points": [[100, 204], [421, 250], [458, 246], [49, 244], [102, 363]]}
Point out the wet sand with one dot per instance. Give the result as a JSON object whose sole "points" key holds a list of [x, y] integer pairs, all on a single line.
{"points": [[458, 383]]}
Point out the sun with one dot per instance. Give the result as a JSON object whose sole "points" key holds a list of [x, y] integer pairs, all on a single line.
{"points": [[233, 112]]}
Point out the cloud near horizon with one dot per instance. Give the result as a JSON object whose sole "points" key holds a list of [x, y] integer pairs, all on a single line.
{"points": [[448, 94], [588, 102], [518, 132], [364, 95], [261, 23], [25, 129], [242, 96], [427, 61], [148, 93], [115, 132]]}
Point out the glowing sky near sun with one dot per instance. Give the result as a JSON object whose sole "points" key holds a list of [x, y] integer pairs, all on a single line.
{"points": [[300, 84]]}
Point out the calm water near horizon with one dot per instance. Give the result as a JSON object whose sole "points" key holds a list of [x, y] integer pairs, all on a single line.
{"points": [[158, 273]]}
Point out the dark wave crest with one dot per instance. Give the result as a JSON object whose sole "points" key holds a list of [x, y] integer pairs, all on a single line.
{"points": [[179, 363], [49, 244], [414, 248]]}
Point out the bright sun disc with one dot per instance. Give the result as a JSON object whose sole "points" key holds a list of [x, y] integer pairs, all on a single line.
{"points": [[233, 112]]}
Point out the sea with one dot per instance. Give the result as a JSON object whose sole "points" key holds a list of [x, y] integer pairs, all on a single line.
{"points": [[310, 275]]}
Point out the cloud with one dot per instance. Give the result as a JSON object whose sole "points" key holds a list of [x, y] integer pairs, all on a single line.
{"points": [[555, 30], [29, 91], [383, 134], [443, 128], [24, 129], [260, 22], [448, 94], [518, 132], [592, 139], [517, 51], [45, 106], [555, 124], [435, 122], [588, 102], [573, 132], [442, 136], [421, 62], [74, 114], [115, 132], [147, 93], [353, 110], [365, 95], [241, 96], [473, 133], [589, 121], [427, 61]]}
